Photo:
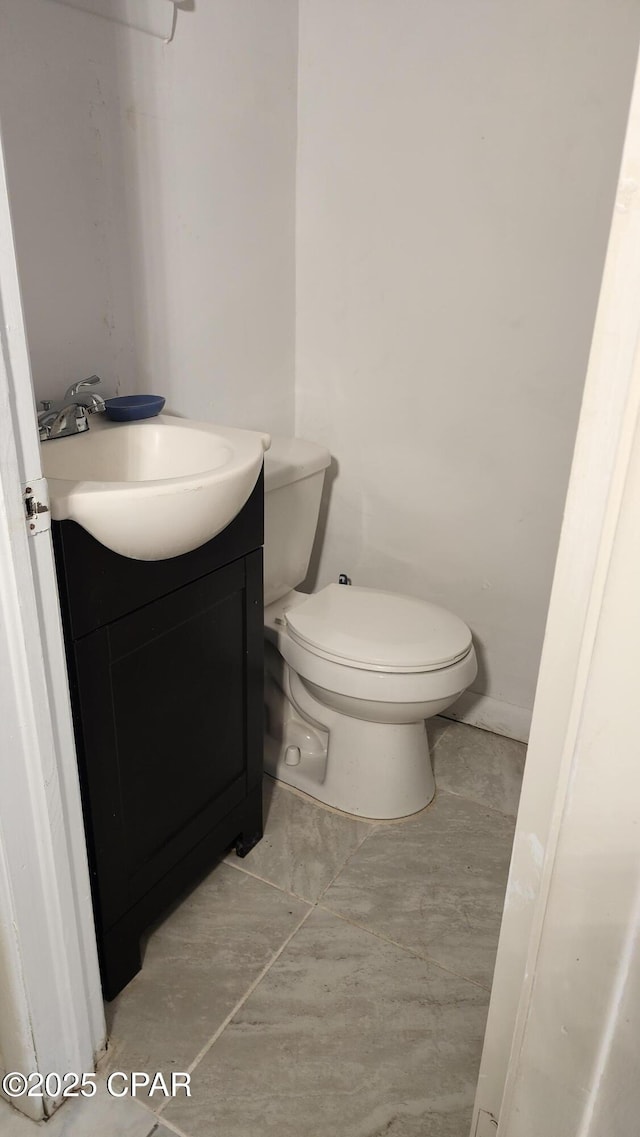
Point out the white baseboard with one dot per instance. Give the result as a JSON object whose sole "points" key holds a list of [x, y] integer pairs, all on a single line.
{"points": [[491, 714]]}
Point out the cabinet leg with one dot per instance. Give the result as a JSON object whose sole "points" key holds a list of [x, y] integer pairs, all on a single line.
{"points": [[246, 842], [251, 831], [120, 959]]}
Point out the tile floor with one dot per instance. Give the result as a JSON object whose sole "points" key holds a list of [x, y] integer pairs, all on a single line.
{"points": [[336, 981]]}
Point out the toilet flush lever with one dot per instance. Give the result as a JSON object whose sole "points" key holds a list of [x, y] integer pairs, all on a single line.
{"points": [[344, 579]]}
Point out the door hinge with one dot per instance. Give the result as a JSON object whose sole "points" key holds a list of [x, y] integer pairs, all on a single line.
{"points": [[35, 495]]}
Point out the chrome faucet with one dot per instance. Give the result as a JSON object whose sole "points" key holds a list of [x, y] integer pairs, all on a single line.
{"points": [[77, 393], [71, 415]]}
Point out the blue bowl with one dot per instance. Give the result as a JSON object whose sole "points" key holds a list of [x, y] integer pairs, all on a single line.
{"points": [[129, 408]]}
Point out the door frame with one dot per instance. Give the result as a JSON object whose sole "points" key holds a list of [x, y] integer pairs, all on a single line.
{"points": [[50, 982], [605, 445]]}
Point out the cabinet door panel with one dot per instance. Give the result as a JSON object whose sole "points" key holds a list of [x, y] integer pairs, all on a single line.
{"points": [[165, 745], [178, 704]]}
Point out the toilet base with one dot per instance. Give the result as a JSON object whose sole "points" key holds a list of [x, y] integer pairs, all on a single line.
{"points": [[377, 770]]}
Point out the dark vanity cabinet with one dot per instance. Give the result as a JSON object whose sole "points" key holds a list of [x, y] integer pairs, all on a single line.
{"points": [[165, 669]]}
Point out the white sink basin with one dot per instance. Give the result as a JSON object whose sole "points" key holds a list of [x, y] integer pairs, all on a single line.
{"points": [[153, 489]]}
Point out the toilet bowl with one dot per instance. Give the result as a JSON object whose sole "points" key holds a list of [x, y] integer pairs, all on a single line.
{"points": [[351, 673]]}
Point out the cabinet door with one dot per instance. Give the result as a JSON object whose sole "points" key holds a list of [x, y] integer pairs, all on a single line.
{"points": [[162, 697]]}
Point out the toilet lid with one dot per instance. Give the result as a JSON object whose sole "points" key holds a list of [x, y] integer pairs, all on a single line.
{"points": [[378, 631]]}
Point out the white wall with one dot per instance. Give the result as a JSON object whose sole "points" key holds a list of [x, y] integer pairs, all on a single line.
{"points": [[152, 193], [456, 168]]}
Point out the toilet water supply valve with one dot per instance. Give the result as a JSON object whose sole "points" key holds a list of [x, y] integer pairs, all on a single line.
{"points": [[344, 579]]}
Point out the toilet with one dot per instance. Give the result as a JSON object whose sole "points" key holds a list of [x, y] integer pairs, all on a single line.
{"points": [[351, 673]]}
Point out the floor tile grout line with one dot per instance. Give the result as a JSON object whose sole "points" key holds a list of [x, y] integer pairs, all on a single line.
{"points": [[426, 957], [155, 1114], [458, 974], [344, 864], [263, 880], [403, 947], [374, 827], [434, 747], [294, 895], [240, 1003], [482, 804], [168, 1125]]}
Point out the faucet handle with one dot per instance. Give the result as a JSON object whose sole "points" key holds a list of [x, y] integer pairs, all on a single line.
{"points": [[73, 390]]}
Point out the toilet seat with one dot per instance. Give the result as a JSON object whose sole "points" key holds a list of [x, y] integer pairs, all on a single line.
{"points": [[363, 683], [375, 631]]}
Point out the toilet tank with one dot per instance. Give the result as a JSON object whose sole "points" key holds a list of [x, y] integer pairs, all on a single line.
{"points": [[293, 478]]}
